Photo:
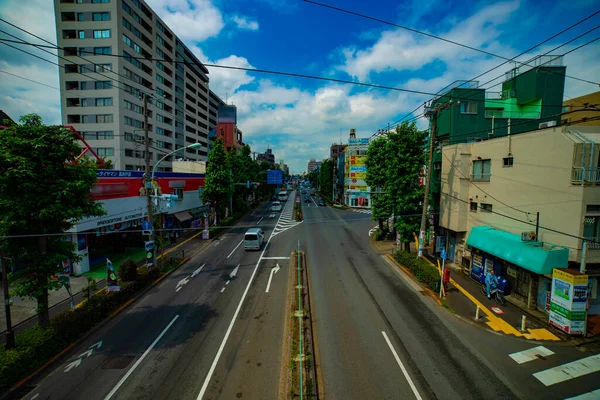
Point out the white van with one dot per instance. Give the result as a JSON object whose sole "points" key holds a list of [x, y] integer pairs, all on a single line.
{"points": [[276, 206], [282, 196], [253, 239]]}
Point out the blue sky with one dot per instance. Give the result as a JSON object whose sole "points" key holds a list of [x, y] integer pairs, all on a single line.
{"points": [[300, 118]]}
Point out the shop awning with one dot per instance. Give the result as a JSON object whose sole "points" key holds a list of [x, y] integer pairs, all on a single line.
{"points": [[536, 257], [183, 216]]}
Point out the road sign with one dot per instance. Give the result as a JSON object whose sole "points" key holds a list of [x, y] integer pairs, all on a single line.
{"points": [[443, 254], [146, 228], [275, 177]]}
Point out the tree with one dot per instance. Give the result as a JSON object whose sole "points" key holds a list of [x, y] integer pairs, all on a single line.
{"points": [[406, 159], [326, 179], [217, 184], [377, 167], [44, 191]]}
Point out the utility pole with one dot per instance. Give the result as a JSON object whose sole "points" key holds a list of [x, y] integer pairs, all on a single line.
{"points": [[147, 178], [232, 190], [432, 113], [10, 334]]}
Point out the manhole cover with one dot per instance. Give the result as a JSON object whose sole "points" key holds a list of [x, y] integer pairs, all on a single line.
{"points": [[117, 362]]}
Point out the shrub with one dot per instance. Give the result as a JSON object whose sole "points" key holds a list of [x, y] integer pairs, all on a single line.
{"points": [[421, 269], [128, 271]]}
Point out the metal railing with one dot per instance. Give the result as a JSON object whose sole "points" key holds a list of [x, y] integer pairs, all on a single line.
{"points": [[582, 175], [512, 114], [593, 243]]}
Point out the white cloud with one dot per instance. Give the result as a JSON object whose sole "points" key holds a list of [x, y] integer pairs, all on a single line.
{"points": [[398, 50], [195, 20], [245, 23]]}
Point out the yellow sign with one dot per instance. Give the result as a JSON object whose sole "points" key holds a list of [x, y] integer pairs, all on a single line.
{"points": [[358, 175], [567, 276], [358, 160]]}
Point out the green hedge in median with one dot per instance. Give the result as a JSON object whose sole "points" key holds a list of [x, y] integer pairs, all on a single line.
{"points": [[421, 269]]}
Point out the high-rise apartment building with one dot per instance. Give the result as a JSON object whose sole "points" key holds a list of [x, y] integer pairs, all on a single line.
{"points": [[312, 165], [116, 51]]}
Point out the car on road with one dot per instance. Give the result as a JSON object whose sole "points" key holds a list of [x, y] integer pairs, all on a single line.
{"points": [[307, 199], [282, 196], [253, 239], [273, 198], [322, 203], [276, 206]]}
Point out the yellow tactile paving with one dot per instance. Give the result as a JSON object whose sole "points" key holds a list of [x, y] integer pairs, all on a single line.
{"points": [[498, 324]]}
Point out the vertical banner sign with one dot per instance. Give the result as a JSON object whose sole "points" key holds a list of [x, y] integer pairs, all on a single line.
{"points": [[65, 279], [112, 283], [149, 253], [568, 301]]}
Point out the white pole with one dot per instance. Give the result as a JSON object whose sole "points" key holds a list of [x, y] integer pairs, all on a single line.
{"points": [[523, 321], [477, 313]]}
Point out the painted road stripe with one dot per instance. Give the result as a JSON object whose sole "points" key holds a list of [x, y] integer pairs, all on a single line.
{"points": [[404, 371], [236, 247], [258, 222], [139, 361], [275, 258], [524, 356], [595, 395], [569, 371]]}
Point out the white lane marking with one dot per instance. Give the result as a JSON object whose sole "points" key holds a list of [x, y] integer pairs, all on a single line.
{"points": [[181, 283], [569, 371], [275, 258], [273, 272], [236, 247], [74, 364], [139, 361], [313, 200], [595, 395], [35, 396], [211, 371], [222, 290], [234, 272], [227, 283], [196, 272], [404, 371], [258, 222], [178, 289], [524, 356]]}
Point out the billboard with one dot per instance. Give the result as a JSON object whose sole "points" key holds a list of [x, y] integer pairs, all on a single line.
{"points": [[358, 141], [275, 177], [568, 300], [227, 114]]}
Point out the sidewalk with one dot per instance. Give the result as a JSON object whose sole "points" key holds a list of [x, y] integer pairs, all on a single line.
{"points": [[464, 295]]}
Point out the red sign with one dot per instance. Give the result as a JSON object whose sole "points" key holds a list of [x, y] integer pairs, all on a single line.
{"points": [[497, 310]]}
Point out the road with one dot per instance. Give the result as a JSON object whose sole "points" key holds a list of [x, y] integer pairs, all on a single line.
{"points": [[426, 352], [210, 330]]}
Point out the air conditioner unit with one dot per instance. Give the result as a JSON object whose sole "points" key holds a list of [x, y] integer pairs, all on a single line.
{"points": [[528, 236], [547, 124]]}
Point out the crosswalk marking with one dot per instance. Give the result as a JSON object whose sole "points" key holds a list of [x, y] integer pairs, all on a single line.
{"points": [[286, 221], [569, 371], [524, 356], [362, 211], [595, 395]]}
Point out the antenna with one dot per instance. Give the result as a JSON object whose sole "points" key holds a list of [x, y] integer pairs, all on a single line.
{"points": [[226, 97]]}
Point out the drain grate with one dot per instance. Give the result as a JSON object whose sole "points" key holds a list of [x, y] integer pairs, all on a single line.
{"points": [[117, 362]]}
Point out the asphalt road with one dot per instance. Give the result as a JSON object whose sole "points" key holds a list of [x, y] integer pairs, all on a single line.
{"points": [[376, 338], [200, 333]]}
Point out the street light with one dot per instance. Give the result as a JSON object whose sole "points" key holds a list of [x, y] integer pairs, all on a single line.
{"points": [[150, 213]]}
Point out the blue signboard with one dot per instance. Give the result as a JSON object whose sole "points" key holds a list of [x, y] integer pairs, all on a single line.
{"points": [[274, 177], [443, 255]]}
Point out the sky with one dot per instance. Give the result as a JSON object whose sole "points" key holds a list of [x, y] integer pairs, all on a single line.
{"points": [[300, 118]]}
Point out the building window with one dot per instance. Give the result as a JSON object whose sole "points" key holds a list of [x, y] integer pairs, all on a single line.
{"points": [[80, 17], [507, 161], [179, 193], [481, 170], [101, 50], [105, 151], [102, 67], [160, 118], [103, 84], [468, 107], [486, 207], [473, 206], [160, 52], [81, 34], [104, 118], [104, 102], [101, 16], [160, 79], [102, 34], [100, 135], [160, 39], [100, 1]]}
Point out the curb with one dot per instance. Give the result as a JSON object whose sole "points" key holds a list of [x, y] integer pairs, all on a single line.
{"points": [[86, 335], [317, 355]]}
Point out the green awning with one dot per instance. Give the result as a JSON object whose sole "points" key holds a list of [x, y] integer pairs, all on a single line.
{"points": [[536, 257]]}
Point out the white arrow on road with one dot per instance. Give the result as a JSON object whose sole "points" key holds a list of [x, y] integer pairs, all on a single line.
{"points": [[196, 272], [87, 353], [273, 272], [96, 345], [181, 283], [234, 272], [73, 364]]}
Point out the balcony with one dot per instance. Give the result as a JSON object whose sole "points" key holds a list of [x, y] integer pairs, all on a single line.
{"points": [[585, 175], [593, 243], [512, 114]]}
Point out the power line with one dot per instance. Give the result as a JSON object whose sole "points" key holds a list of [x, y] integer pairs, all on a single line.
{"points": [[523, 52], [436, 37], [31, 80]]}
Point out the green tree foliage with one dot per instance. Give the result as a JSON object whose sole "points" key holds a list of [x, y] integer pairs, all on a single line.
{"points": [[44, 191], [407, 157], [326, 179], [377, 167], [217, 183]]}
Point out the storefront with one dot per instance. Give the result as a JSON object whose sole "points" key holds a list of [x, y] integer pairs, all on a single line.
{"points": [[527, 265]]}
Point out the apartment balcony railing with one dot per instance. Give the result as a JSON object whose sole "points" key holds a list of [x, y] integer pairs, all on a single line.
{"points": [[593, 243], [512, 114], [585, 175]]}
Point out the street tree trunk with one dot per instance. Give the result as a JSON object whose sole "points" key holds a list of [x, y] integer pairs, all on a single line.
{"points": [[381, 224], [42, 304]]}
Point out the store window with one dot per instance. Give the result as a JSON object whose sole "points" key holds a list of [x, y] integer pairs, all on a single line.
{"points": [[179, 193]]}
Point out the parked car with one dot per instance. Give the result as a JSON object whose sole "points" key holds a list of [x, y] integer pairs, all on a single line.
{"points": [[307, 199], [322, 203]]}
